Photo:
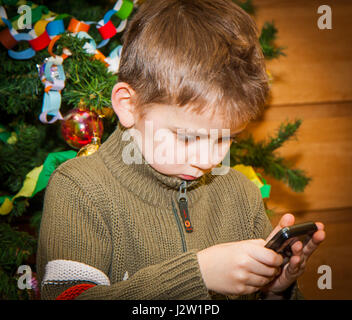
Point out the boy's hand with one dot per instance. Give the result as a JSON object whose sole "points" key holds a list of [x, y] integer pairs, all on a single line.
{"points": [[238, 268], [296, 265]]}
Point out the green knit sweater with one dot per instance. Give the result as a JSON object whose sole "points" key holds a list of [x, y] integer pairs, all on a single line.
{"points": [[112, 230]]}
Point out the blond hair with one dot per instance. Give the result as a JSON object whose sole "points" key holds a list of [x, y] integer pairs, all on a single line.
{"points": [[202, 54]]}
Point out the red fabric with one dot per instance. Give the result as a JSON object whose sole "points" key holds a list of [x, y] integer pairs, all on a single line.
{"points": [[74, 291]]}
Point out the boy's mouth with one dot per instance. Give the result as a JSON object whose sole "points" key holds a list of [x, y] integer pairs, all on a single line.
{"points": [[185, 177]]}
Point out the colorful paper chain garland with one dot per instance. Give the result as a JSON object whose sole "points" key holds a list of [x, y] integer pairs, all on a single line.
{"points": [[46, 32], [47, 25]]}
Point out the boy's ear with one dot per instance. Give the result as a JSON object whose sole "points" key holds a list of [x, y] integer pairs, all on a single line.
{"points": [[121, 99]]}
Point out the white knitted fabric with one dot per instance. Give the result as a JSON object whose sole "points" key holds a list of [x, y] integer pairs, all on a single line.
{"points": [[63, 271]]}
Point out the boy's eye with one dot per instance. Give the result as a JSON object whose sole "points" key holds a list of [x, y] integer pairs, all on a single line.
{"points": [[186, 139]]}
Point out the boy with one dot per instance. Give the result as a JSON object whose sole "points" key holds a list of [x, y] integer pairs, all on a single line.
{"points": [[131, 221]]}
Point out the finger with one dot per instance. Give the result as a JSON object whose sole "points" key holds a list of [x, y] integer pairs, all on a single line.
{"points": [[320, 225], [265, 256], [257, 281], [264, 270], [286, 220], [314, 242], [297, 248], [293, 267]]}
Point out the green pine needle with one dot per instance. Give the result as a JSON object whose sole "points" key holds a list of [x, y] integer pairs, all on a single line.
{"points": [[266, 39], [246, 5], [261, 155], [286, 131]]}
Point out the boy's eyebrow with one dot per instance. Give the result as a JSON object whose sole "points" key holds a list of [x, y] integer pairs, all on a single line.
{"points": [[206, 135]]}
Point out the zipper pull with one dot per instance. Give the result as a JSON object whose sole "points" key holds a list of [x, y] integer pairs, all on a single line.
{"points": [[183, 205]]}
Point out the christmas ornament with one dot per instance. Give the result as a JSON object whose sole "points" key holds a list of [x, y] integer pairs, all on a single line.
{"points": [[89, 148], [79, 127], [106, 112]]}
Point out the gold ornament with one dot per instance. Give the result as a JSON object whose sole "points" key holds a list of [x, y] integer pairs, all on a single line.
{"points": [[90, 148], [105, 112]]}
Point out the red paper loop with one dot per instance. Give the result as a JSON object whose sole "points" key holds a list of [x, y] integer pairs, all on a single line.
{"points": [[7, 39], [40, 42], [107, 31]]}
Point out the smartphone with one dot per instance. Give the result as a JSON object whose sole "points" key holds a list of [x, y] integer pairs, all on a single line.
{"points": [[282, 241]]}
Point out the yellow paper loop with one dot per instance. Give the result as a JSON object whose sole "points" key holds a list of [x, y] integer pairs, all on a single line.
{"points": [[26, 191], [249, 172], [40, 26]]}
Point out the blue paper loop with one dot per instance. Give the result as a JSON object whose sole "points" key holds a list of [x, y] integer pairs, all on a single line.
{"points": [[55, 27], [25, 54], [51, 106]]}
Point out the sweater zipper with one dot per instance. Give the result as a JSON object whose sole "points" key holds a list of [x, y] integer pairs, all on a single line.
{"points": [[183, 206], [184, 248]]}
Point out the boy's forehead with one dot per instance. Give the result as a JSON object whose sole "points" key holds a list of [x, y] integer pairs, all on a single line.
{"points": [[174, 117]]}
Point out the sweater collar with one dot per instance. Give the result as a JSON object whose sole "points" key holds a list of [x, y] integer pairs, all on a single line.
{"points": [[141, 178]]}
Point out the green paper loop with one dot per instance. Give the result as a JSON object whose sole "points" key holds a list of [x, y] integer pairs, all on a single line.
{"points": [[52, 161], [265, 191], [62, 16], [125, 10]]}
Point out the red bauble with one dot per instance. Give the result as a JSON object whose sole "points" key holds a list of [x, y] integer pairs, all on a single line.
{"points": [[79, 126]]}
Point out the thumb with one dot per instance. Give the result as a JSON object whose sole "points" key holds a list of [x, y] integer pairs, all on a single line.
{"points": [[286, 220]]}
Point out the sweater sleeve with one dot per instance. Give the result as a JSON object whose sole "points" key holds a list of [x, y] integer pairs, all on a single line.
{"points": [[75, 248], [262, 229]]}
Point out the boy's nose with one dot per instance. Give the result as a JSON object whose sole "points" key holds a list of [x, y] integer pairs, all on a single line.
{"points": [[204, 167], [208, 158], [203, 163]]}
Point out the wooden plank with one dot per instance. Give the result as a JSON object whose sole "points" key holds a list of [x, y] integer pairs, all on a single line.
{"points": [[319, 62], [335, 252], [323, 149]]}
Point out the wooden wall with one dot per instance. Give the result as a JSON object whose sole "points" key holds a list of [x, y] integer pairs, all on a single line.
{"points": [[313, 83]]}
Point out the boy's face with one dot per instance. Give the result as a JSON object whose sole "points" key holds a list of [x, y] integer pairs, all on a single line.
{"points": [[176, 142]]}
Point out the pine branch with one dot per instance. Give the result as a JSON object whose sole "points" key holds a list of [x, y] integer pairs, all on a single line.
{"points": [[246, 5], [17, 159], [266, 39], [286, 131], [261, 155], [15, 248]]}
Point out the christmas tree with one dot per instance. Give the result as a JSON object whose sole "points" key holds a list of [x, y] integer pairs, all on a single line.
{"points": [[34, 140]]}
